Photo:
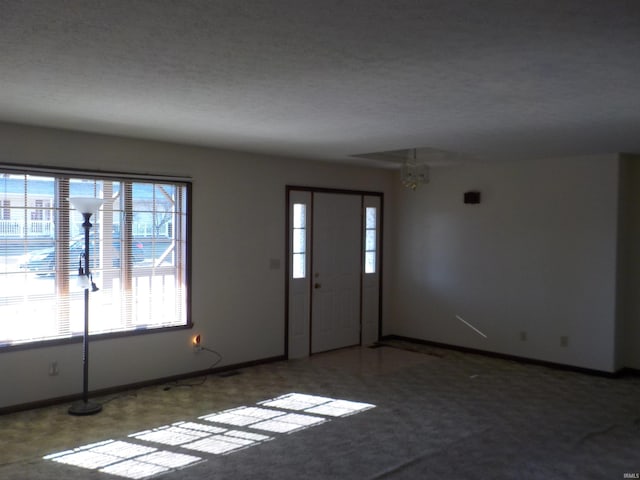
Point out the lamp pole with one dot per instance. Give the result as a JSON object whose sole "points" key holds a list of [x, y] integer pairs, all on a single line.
{"points": [[86, 205]]}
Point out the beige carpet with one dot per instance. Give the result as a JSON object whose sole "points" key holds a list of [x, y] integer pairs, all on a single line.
{"points": [[438, 414]]}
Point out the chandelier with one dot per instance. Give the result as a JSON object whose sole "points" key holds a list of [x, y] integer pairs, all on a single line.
{"points": [[412, 173]]}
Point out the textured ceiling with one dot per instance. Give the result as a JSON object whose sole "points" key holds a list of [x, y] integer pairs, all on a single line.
{"points": [[329, 79]]}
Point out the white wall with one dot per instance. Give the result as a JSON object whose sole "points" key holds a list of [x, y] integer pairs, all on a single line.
{"points": [[537, 255], [238, 227]]}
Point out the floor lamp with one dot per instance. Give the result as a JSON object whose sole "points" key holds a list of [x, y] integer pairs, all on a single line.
{"points": [[87, 206]]}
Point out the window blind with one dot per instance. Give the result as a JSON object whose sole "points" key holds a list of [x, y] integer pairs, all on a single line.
{"points": [[138, 255]]}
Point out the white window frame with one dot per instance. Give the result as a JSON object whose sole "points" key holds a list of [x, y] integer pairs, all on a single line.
{"points": [[299, 248], [170, 262], [370, 251]]}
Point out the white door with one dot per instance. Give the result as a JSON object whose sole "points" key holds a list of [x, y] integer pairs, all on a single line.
{"points": [[336, 267], [334, 272]]}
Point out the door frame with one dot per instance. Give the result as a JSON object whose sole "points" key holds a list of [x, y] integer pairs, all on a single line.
{"points": [[287, 269]]}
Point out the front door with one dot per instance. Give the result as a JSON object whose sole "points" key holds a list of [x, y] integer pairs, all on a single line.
{"points": [[333, 283], [336, 266]]}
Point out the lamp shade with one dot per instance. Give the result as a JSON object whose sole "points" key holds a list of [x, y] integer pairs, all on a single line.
{"points": [[86, 204], [83, 282]]}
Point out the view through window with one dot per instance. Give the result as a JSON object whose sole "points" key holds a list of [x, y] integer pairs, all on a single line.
{"points": [[370, 240], [299, 251], [138, 255]]}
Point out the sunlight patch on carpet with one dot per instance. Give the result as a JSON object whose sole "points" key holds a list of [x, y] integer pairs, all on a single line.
{"points": [[220, 444], [285, 414], [172, 435], [242, 416], [340, 408], [317, 405], [295, 401], [288, 423], [124, 459]]}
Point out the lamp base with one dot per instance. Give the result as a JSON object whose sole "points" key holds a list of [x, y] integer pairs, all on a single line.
{"points": [[84, 408]]}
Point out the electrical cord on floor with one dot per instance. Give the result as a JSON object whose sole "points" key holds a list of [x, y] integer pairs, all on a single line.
{"points": [[204, 379]]}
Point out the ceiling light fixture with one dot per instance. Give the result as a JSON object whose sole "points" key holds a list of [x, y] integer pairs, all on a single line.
{"points": [[412, 173]]}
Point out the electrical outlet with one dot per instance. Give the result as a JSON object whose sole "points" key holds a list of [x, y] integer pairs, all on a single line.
{"points": [[196, 342], [564, 341], [523, 336], [53, 369]]}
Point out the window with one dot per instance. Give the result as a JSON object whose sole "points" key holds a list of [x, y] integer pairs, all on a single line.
{"points": [[36, 214], [138, 256], [6, 210], [299, 251], [370, 240]]}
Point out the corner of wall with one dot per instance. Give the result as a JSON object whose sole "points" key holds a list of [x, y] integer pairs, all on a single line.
{"points": [[533, 263], [628, 263]]}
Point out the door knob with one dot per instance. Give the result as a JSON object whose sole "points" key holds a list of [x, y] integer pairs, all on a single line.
{"points": [[316, 285]]}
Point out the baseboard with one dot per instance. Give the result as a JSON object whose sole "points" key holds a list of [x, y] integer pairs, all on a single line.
{"points": [[134, 386], [629, 372], [516, 358]]}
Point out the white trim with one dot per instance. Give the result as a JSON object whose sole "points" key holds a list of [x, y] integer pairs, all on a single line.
{"points": [[99, 174]]}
